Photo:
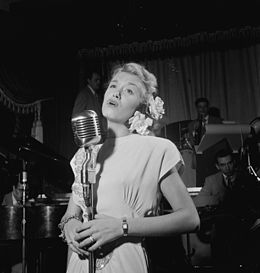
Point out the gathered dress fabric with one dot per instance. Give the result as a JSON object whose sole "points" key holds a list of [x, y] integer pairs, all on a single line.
{"points": [[128, 174]]}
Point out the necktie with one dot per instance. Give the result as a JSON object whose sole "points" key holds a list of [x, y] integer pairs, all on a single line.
{"points": [[229, 182]]}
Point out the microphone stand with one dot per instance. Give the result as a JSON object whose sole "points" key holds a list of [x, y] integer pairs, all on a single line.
{"points": [[250, 168], [23, 181], [86, 130], [88, 179]]}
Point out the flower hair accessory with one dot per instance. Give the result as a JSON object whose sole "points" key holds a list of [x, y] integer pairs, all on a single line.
{"points": [[156, 107], [154, 111], [139, 123]]}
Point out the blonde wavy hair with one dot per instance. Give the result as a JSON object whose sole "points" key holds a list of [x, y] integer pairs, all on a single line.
{"points": [[147, 78], [151, 107]]}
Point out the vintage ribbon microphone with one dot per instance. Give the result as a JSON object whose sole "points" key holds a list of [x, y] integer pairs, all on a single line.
{"points": [[87, 134]]}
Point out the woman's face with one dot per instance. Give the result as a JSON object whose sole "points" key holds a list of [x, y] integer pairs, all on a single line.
{"points": [[123, 95]]}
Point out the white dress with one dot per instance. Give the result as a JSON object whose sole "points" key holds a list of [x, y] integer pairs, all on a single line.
{"points": [[128, 173]]}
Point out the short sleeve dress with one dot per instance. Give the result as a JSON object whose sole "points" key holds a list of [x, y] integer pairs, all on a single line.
{"points": [[128, 174]]}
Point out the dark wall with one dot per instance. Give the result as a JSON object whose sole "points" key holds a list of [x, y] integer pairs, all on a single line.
{"points": [[32, 71]]}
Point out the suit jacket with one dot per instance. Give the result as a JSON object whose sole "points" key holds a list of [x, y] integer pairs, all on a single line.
{"points": [[8, 200], [212, 120], [86, 100], [194, 124], [213, 191], [242, 201]]}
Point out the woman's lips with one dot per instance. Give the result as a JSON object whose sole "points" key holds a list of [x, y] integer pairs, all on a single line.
{"points": [[112, 102]]}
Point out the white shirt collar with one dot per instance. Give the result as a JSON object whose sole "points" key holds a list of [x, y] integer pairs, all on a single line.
{"points": [[232, 178], [92, 90], [15, 203]]}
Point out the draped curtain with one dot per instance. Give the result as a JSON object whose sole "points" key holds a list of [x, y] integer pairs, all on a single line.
{"points": [[19, 109], [229, 79], [222, 66], [226, 72], [22, 91]]}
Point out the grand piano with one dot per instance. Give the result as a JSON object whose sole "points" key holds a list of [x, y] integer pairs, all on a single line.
{"points": [[49, 178]]}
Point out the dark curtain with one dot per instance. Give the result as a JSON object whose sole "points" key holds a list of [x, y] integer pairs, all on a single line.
{"points": [[223, 66], [28, 74]]}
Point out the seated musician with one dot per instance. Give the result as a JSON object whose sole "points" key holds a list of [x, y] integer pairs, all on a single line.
{"points": [[216, 185], [12, 256], [14, 197], [236, 193], [196, 127]]}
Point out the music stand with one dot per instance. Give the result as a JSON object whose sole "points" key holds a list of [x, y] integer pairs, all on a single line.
{"points": [[233, 133]]}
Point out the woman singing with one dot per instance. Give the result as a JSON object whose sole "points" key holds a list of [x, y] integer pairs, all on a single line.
{"points": [[134, 170]]}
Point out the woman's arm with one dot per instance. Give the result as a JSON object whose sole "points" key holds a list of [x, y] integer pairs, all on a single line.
{"points": [[184, 218], [206, 196], [72, 208], [70, 222]]}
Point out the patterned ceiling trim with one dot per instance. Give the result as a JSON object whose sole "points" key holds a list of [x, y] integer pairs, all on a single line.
{"points": [[248, 34]]}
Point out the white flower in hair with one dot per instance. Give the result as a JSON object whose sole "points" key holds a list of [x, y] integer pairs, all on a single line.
{"points": [[139, 123], [156, 107]]}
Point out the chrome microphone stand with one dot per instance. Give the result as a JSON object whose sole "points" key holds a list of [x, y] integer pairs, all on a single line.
{"points": [[88, 179], [87, 134], [23, 181], [250, 168]]}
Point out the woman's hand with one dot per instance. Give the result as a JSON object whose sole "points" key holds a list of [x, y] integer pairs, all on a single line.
{"points": [[70, 233], [95, 233]]}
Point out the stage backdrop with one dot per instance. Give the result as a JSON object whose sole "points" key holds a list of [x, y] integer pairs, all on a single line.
{"points": [[222, 66]]}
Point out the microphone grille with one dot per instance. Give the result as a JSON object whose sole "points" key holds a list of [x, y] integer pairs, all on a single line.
{"points": [[86, 128]]}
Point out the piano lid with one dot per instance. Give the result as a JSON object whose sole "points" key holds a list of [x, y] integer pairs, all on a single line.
{"points": [[42, 159]]}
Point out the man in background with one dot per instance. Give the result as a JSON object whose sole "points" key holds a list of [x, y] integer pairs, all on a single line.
{"points": [[216, 185], [14, 197], [12, 256], [88, 97], [196, 128], [233, 195]]}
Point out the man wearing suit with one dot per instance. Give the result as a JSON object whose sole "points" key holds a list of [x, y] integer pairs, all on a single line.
{"points": [[14, 197], [12, 256], [216, 186], [236, 193], [90, 98], [196, 128], [87, 98]]}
